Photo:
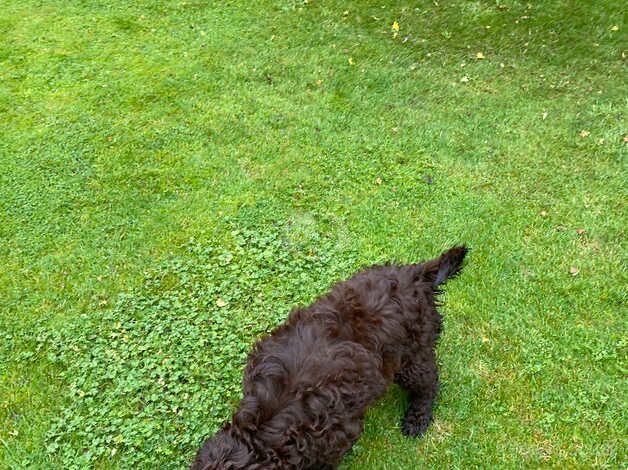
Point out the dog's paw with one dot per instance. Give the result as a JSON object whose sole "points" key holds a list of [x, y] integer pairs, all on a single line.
{"points": [[415, 426]]}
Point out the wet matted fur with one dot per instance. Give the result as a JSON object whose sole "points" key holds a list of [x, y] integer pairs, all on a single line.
{"points": [[308, 384]]}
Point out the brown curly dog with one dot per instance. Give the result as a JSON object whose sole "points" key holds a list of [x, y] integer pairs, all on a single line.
{"points": [[308, 384]]}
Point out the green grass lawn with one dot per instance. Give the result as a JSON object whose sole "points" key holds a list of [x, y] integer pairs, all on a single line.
{"points": [[175, 176]]}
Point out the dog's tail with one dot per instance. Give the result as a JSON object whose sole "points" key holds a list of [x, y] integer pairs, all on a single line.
{"points": [[446, 266]]}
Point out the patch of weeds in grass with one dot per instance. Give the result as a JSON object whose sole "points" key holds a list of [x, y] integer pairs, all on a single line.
{"points": [[150, 377]]}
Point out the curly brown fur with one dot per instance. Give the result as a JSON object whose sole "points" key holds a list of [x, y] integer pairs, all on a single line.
{"points": [[308, 384]]}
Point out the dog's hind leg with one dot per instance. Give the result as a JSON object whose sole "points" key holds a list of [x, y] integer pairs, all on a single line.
{"points": [[419, 376]]}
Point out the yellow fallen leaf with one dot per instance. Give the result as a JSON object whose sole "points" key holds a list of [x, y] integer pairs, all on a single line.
{"points": [[464, 79], [378, 180], [221, 303], [479, 56], [485, 339], [319, 82], [615, 28], [544, 116], [350, 60], [584, 133], [395, 26]]}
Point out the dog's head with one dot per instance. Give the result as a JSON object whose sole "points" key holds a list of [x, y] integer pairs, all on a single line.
{"points": [[223, 451]]}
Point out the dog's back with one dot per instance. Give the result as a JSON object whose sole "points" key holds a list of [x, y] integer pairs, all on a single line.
{"points": [[305, 381]]}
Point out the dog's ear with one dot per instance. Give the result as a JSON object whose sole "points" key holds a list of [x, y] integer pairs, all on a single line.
{"points": [[447, 265]]}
